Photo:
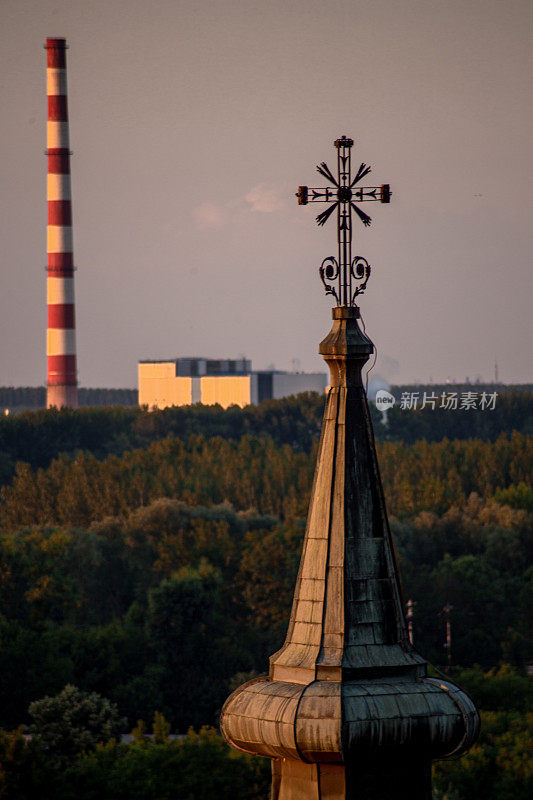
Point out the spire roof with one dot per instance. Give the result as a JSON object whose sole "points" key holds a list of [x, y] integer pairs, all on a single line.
{"points": [[347, 617]]}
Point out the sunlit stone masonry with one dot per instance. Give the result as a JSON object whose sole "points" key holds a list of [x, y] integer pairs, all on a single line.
{"points": [[347, 709]]}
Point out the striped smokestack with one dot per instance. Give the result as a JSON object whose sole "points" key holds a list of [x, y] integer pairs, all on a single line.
{"points": [[62, 388]]}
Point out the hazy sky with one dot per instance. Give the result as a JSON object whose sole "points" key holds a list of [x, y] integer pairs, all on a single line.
{"points": [[192, 125]]}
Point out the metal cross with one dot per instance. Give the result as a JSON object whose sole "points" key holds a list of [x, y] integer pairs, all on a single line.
{"points": [[343, 269]]}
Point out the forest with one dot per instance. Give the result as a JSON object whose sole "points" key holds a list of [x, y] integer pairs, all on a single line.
{"points": [[29, 398], [147, 563]]}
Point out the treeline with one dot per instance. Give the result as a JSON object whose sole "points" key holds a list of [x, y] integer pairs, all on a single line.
{"points": [[70, 755], [434, 476], [500, 388], [162, 607], [152, 610], [38, 437], [253, 473], [22, 396], [107, 397], [151, 557], [34, 397], [196, 767], [513, 410], [500, 765]]}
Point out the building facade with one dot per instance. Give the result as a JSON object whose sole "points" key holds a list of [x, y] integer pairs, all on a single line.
{"points": [[226, 382]]}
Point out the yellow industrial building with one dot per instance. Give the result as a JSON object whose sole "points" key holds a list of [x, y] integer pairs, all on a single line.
{"points": [[184, 381]]}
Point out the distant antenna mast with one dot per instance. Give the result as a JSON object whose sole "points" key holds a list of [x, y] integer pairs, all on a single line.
{"points": [[409, 615], [496, 372], [448, 644]]}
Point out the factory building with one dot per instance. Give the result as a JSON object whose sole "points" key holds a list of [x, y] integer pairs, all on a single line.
{"points": [[183, 381]]}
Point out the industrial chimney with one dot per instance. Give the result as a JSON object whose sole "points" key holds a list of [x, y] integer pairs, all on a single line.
{"points": [[62, 388]]}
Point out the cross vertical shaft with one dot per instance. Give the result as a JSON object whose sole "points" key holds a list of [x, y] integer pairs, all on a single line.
{"points": [[344, 212]]}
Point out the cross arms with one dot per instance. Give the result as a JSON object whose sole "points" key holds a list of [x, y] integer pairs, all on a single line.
{"points": [[308, 194]]}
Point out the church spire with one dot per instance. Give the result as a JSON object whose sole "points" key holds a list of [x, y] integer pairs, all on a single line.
{"points": [[347, 617], [347, 708]]}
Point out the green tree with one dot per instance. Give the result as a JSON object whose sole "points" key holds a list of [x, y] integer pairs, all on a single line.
{"points": [[500, 689], [267, 574], [73, 722], [23, 769], [160, 728], [516, 495], [498, 767], [194, 644], [196, 767], [477, 593]]}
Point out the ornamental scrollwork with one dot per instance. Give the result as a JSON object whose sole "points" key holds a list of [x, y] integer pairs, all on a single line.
{"points": [[329, 271], [359, 271]]}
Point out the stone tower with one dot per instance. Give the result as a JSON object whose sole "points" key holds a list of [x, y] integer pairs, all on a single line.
{"points": [[347, 710]]}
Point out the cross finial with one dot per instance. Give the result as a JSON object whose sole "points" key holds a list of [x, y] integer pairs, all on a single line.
{"points": [[351, 275]]}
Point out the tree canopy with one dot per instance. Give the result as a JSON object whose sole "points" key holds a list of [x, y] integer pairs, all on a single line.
{"points": [[150, 559]]}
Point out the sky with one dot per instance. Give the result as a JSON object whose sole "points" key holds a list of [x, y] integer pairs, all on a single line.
{"points": [[193, 123]]}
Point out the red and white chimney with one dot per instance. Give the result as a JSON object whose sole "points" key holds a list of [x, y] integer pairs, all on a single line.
{"points": [[62, 384]]}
